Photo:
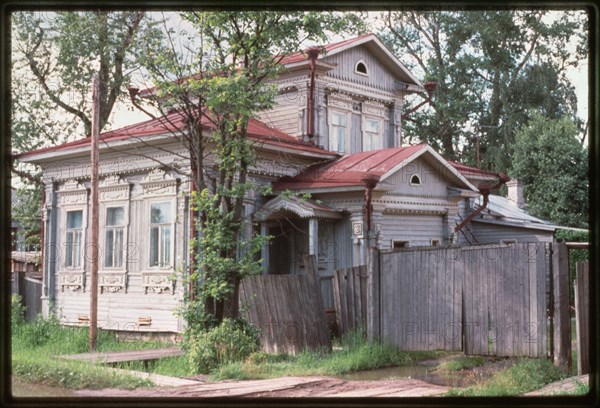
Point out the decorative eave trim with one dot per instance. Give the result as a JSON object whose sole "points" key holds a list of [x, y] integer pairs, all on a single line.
{"points": [[298, 207], [409, 211]]}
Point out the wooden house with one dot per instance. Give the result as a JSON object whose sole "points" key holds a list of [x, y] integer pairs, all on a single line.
{"points": [[335, 133]]}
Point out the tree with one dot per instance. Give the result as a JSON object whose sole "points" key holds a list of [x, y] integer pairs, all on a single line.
{"points": [[214, 79], [55, 56], [492, 69], [553, 167]]}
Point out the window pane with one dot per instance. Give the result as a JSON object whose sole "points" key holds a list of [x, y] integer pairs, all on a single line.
{"points": [[160, 213], [341, 139], [77, 248], [339, 119], [166, 245], [69, 249], [372, 125], [154, 246], [115, 216], [118, 258], [109, 248], [74, 219]]}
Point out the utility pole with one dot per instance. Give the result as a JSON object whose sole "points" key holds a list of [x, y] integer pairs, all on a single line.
{"points": [[93, 259]]}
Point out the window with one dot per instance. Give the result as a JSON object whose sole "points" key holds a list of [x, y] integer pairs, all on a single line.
{"points": [[508, 242], [361, 68], [160, 234], [399, 244], [435, 242], [73, 239], [372, 139], [415, 180], [115, 227], [337, 139]]}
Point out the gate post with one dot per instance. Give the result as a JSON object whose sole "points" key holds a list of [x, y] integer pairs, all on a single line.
{"points": [[562, 318], [373, 295]]}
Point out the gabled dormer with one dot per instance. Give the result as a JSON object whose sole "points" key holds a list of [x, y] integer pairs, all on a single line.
{"points": [[346, 97]]}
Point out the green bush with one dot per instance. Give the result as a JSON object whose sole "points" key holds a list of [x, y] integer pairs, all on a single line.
{"points": [[229, 342], [17, 310], [40, 331]]}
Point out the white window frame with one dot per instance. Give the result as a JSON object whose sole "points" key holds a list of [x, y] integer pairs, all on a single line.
{"points": [[405, 242], [63, 234], [410, 180], [348, 127], [356, 71], [147, 221], [379, 134], [82, 241], [104, 228]]}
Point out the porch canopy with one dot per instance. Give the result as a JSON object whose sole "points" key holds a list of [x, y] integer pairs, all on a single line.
{"points": [[283, 207]]}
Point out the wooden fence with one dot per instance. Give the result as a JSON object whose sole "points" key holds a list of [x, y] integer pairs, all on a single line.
{"points": [[582, 317], [485, 299], [350, 298], [288, 310], [30, 290]]}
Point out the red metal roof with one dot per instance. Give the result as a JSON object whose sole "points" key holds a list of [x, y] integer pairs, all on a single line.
{"points": [[468, 171], [349, 170], [257, 131]]}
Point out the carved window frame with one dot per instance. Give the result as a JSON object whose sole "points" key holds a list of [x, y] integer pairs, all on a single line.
{"points": [[71, 196]]}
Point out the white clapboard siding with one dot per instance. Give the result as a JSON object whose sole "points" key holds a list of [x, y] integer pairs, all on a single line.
{"points": [[491, 234], [432, 184], [419, 230]]}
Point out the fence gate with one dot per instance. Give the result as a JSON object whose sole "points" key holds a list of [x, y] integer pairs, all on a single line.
{"points": [[487, 300]]}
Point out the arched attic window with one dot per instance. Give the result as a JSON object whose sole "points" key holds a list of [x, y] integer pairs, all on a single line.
{"points": [[361, 68], [415, 180]]}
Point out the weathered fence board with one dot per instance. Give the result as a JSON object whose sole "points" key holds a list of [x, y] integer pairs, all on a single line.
{"points": [[418, 306], [32, 297], [350, 298], [288, 310], [582, 315], [562, 316], [492, 298]]}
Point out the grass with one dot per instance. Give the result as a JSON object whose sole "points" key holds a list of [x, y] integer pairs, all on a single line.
{"points": [[524, 376], [356, 355], [461, 363], [34, 344], [170, 366]]}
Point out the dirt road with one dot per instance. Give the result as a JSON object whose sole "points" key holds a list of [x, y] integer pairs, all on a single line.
{"points": [[284, 387]]}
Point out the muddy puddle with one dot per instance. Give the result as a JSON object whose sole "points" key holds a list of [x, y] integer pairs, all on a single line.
{"points": [[427, 371], [21, 389]]}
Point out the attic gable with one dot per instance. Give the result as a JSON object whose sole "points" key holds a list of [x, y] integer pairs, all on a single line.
{"points": [[369, 42], [347, 172]]}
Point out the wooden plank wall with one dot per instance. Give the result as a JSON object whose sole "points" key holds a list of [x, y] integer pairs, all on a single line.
{"points": [[288, 310], [505, 298], [420, 299], [350, 298], [487, 300], [582, 315], [561, 310]]}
